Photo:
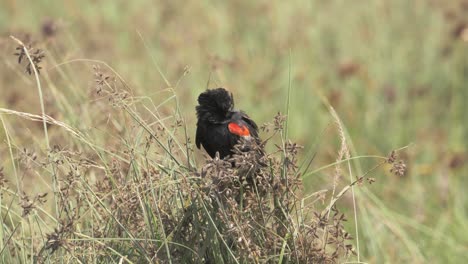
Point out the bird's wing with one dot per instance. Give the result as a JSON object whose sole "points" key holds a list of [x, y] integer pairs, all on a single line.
{"points": [[251, 123], [253, 128], [198, 135]]}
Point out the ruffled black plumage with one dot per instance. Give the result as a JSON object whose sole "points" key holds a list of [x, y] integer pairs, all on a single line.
{"points": [[215, 113]]}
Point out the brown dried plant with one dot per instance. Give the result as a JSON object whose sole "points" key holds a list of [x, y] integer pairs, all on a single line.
{"points": [[37, 55], [142, 199]]}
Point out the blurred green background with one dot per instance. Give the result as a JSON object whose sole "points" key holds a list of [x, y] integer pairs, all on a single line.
{"points": [[395, 71]]}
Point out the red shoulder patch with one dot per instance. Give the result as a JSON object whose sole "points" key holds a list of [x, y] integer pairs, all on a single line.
{"points": [[239, 130]]}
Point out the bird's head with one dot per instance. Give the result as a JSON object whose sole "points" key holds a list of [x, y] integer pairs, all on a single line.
{"points": [[215, 105]]}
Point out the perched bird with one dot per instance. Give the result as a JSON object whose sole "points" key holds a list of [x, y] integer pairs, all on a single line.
{"points": [[220, 126]]}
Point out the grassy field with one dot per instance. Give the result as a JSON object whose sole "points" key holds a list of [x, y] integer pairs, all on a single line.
{"points": [[119, 82]]}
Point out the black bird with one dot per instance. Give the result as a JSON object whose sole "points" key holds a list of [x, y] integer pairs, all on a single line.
{"points": [[220, 126]]}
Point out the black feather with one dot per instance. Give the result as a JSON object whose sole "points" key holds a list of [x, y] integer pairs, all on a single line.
{"points": [[215, 111]]}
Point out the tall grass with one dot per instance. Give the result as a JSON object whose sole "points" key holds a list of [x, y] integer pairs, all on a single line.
{"points": [[393, 71], [143, 199]]}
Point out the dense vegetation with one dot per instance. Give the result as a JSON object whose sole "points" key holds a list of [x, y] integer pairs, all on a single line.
{"points": [[111, 173]]}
